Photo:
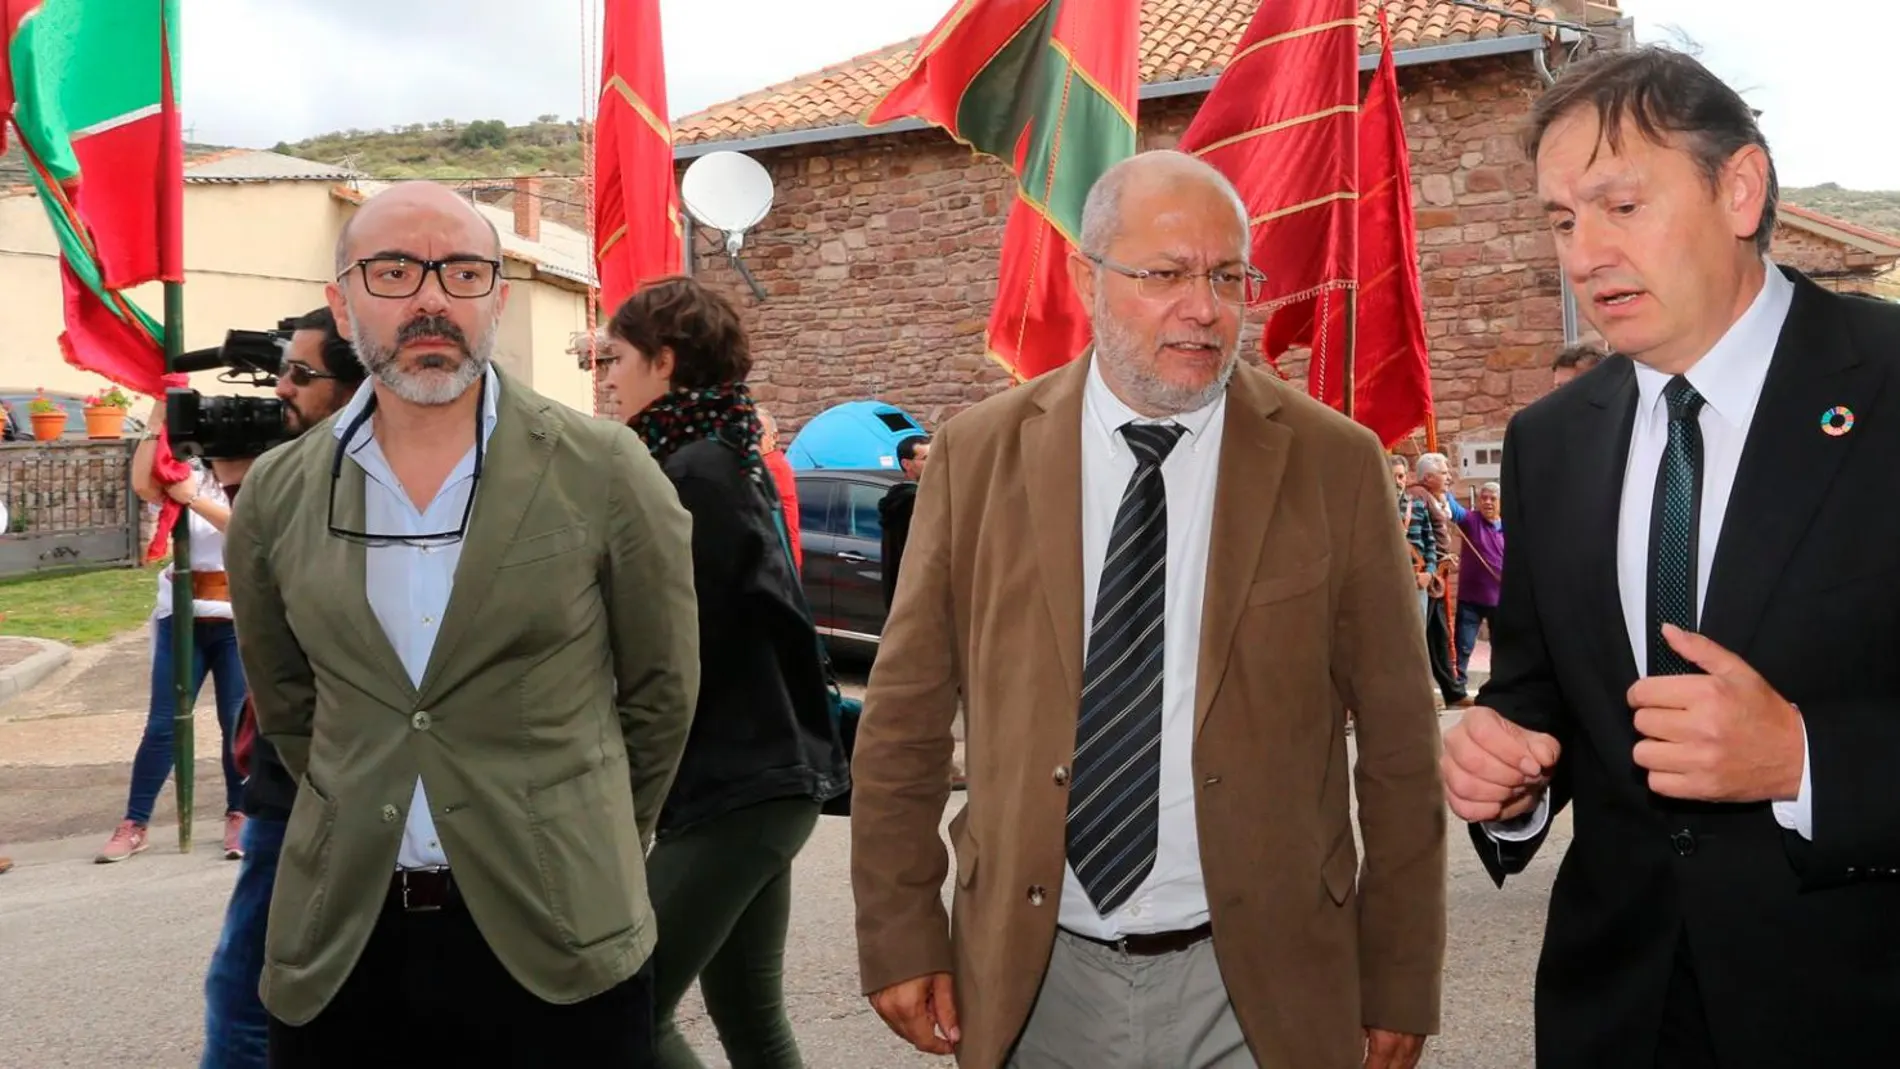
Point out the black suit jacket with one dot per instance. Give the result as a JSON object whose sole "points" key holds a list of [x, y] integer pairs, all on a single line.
{"points": [[1796, 944]]}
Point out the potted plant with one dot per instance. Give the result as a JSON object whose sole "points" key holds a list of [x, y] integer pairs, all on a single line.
{"points": [[49, 419], [105, 414]]}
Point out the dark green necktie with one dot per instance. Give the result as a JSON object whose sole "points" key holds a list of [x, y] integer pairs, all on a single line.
{"points": [[1674, 522]]}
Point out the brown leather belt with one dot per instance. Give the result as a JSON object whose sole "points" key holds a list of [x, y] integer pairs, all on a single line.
{"points": [[210, 586], [1153, 944], [423, 890]]}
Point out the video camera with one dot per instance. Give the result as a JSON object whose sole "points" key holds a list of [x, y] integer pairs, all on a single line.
{"points": [[231, 428]]}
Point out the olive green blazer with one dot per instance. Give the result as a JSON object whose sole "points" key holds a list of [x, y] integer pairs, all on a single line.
{"points": [[548, 725]]}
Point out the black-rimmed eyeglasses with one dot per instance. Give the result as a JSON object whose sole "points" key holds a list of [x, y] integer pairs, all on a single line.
{"points": [[1238, 285], [421, 541], [398, 277]]}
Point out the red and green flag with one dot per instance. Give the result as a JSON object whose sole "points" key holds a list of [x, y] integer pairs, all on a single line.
{"points": [[636, 213], [88, 89], [1048, 87]]}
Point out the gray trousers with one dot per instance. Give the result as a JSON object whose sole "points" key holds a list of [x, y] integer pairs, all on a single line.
{"points": [[1102, 1009]]}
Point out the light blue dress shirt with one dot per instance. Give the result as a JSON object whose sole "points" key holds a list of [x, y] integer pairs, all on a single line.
{"points": [[409, 586]]}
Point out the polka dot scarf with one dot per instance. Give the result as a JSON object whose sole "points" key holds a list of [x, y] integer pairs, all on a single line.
{"points": [[685, 416]]}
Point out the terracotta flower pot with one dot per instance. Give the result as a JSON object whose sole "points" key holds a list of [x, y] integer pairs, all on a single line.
{"points": [[48, 425], [105, 422]]}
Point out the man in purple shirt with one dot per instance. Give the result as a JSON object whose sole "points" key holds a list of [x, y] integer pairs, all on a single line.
{"points": [[1480, 568]]}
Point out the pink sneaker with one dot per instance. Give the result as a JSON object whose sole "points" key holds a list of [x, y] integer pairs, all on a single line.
{"points": [[233, 828], [129, 839]]}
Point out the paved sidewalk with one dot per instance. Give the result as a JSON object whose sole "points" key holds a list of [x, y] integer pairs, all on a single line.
{"points": [[102, 966], [24, 662]]}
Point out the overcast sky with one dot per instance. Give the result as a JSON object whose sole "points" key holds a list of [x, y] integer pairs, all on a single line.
{"points": [[260, 71]]}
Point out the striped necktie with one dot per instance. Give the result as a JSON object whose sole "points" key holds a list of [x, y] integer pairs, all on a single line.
{"points": [[1114, 795], [1674, 525]]}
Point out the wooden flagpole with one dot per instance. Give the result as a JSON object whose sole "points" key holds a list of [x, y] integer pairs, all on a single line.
{"points": [[1351, 342]]}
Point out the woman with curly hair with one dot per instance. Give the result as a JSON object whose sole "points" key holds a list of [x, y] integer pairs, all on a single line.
{"points": [[764, 754]]}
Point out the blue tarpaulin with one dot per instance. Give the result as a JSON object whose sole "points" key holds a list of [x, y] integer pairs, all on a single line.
{"points": [[859, 434]]}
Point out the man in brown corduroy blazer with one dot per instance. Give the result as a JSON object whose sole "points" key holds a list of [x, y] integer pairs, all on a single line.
{"points": [[1160, 578]]}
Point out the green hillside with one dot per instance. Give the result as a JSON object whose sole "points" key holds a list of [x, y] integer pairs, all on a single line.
{"points": [[1876, 210], [450, 148]]}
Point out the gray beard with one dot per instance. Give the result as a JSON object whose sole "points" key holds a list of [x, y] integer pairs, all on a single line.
{"points": [[431, 386], [1148, 393]]}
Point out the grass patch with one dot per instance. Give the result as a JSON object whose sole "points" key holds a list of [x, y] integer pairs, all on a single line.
{"points": [[79, 609]]}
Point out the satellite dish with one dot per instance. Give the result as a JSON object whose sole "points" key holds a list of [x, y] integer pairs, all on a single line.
{"points": [[728, 192]]}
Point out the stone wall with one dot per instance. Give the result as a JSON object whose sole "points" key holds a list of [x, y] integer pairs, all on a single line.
{"points": [[66, 486], [879, 259], [1834, 265]]}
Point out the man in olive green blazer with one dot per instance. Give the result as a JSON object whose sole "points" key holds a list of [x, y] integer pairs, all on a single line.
{"points": [[481, 751]]}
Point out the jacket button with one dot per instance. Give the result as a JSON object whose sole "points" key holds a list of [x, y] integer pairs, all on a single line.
{"points": [[421, 720], [389, 813], [1684, 842], [1036, 895], [1062, 776]]}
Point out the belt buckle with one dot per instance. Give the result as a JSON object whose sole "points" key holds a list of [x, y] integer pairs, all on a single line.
{"points": [[406, 907]]}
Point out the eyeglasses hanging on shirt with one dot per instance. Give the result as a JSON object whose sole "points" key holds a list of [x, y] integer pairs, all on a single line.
{"points": [[424, 541]]}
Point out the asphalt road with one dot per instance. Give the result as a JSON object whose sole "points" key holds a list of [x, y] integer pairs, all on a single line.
{"points": [[101, 966]]}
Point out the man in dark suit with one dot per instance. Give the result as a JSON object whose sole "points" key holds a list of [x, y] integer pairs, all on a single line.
{"points": [[895, 508], [1701, 604]]}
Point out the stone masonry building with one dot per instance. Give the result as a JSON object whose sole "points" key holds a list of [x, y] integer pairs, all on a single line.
{"points": [[879, 257]]}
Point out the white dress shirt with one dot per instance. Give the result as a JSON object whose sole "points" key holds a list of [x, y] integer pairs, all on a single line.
{"points": [[1172, 896], [1729, 378], [409, 586]]}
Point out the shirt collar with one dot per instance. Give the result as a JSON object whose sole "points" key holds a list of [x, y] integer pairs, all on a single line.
{"points": [[1730, 375], [1108, 412], [348, 417]]}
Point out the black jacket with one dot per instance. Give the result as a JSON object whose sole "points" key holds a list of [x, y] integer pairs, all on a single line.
{"points": [[762, 729], [1795, 944], [893, 514]]}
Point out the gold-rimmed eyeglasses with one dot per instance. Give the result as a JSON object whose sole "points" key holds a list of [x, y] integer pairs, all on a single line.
{"points": [[1236, 284]]}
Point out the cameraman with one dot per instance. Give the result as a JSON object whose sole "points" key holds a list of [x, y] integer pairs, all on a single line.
{"points": [[319, 375]]}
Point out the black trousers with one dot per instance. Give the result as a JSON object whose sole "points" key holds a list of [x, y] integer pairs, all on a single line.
{"points": [[1686, 1042], [428, 991], [1438, 648]]}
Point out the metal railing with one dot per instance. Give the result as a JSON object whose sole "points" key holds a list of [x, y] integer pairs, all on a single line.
{"points": [[68, 503]]}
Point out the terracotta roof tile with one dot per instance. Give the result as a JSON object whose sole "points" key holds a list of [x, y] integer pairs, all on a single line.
{"points": [[1180, 39], [1795, 214]]}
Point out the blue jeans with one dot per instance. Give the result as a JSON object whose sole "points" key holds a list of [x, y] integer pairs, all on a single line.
{"points": [[237, 1027], [214, 651], [1469, 617]]}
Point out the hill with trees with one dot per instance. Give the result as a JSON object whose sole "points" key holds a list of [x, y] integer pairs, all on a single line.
{"points": [[1877, 210], [450, 148]]}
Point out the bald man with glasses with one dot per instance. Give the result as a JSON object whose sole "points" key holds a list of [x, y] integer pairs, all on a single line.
{"points": [[469, 615]]}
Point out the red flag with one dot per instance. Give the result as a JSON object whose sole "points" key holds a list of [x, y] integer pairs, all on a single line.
{"points": [[636, 211], [1280, 125], [1049, 88], [1392, 379]]}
